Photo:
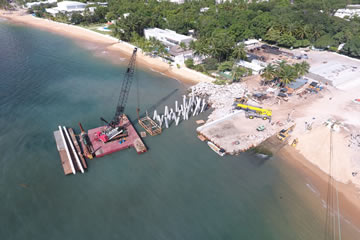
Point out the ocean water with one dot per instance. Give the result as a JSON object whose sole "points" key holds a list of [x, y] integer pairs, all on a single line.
{"points": [[179, 189]]}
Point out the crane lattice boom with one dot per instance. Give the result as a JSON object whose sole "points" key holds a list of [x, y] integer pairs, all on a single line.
{"points": [[125, 88]]}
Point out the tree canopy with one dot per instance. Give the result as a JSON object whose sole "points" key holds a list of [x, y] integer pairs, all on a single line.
{"points": [[218, 30], [222, 26]]}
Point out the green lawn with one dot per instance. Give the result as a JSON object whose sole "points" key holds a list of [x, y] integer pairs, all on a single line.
{"points": [[94, 27]]}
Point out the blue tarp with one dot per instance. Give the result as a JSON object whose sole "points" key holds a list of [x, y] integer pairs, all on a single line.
{"points": [[298, 83]]}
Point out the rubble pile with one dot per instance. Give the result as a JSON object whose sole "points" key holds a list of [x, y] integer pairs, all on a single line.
{"points": [[220, 97]]}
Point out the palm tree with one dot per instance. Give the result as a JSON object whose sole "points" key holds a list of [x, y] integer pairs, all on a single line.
{"points": [[199, 47], [291, 28], [281, 65], [300, 32], [183, 46], [239, 52], [301, 68], [287, 74], [269, 72], [304, 68], [237, 73], [216, 47]]}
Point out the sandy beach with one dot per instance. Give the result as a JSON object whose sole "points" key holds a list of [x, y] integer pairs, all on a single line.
{"points": [[311, 155], [109, 43]]}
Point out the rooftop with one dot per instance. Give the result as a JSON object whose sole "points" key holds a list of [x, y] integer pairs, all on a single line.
{"points": [[167, 33], [177, 50], [251, 42]]}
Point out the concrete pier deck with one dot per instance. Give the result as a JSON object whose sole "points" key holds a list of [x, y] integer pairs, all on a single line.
{"points": [[132, 140], [236, 133]]}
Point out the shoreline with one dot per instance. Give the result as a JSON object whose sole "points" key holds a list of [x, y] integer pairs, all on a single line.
{"points": [[348, 193], [108, 43]]}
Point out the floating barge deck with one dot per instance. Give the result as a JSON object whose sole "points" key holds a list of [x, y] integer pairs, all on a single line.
{"points": [[132, 140], [68, 156]]}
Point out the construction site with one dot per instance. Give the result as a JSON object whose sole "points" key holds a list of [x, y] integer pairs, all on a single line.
{"points": [[120, 133], [116, 135], [245, 114]]}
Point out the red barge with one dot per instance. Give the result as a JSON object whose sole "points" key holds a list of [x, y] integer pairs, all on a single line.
{"points": [[131, 140]]}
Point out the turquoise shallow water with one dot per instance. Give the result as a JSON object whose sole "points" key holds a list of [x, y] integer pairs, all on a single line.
{"points": [[180, 189]]}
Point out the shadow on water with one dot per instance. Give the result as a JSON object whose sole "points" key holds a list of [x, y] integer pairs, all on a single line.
{"points": [[258, 159], [180, 189], [159, 103]]}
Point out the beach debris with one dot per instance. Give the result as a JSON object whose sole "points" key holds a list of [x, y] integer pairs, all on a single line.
{"points": [[201, 137], [220, 97], [200, 122]]}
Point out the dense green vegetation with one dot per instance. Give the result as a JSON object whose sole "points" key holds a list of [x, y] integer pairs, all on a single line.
{"points": [[4, 4], [218, 30], [304, 23]]}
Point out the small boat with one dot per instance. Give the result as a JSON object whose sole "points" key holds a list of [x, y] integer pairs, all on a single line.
{"points": [[356, 100], [216, 149]]}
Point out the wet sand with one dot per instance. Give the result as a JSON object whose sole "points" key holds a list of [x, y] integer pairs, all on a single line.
{"points": [[349, 202], [106, 43], [118, 51]]}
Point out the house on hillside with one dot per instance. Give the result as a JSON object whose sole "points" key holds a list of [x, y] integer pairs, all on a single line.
{"points": [[179, 55], [167, 37], [251, 44]]}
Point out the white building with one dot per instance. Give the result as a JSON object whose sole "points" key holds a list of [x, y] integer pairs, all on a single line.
{"points": [[347, 12], [179, 55], [167, 37], [222, 1], [71, 6], [103, 4], [173, 1], [205, 9], [255, 65], [67, 7], [251, 42]]}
